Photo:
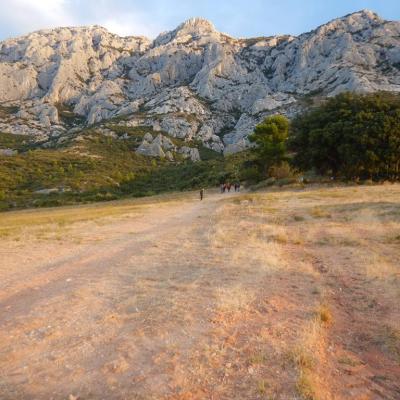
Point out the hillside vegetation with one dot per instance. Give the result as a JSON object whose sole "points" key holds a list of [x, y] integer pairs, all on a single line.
{"points": [[352, 136], [349, 137], [95, 167]]}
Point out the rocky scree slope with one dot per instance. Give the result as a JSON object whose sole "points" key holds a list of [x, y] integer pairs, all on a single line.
{"points": [[193, 83]]}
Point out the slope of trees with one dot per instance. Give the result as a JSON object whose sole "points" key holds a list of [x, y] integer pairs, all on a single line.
{"points": [[352, 136]]}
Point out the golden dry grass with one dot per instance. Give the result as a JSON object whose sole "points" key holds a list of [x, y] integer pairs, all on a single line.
{"points": [[279, 294], [306, 354], [50, 223], [349, 236]]}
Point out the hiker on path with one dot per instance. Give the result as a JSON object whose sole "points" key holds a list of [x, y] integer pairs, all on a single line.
{"points": [[222, 187], [201, 194], [229, 187]]}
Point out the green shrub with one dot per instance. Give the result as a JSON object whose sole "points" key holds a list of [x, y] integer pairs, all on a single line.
{"points": [[282, 171], [351, 135]]}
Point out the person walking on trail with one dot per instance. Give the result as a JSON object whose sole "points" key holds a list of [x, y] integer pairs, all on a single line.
{"points": [[201, 194], [222, 187]]}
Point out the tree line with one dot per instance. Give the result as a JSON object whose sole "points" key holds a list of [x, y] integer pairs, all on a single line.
{"points": [[351, 136]]}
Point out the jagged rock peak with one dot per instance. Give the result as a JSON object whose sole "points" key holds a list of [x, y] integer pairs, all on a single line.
{"points": [[65, 33], [362, 17], [194, 27], [364, 14], [193, 82], [196, 24], [70, 29], [351, 22], [359, 19]]}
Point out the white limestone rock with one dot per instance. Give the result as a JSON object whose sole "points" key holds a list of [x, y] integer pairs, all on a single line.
{"points": [[148, 137], [190, 152], [176, 100], [236, 147], [156, 147], [18, 81], [265, 104], [47, 191], [169, 156], [179, 127], [164, 142], [150, 150], [193, 82], [8, 152], [242, 129], [130, 108], [161, 146]]}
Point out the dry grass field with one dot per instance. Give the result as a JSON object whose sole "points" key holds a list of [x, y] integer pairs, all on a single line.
{"points": [[290, 294]]}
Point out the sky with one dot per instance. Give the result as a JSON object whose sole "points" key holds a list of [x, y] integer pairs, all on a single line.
{"points": [[238, 18]]}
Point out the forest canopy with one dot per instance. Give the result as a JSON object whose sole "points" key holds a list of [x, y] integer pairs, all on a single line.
{"points": [[351, 136]]}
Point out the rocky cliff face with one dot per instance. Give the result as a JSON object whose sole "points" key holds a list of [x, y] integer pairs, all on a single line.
{"points": [[193, 83]]}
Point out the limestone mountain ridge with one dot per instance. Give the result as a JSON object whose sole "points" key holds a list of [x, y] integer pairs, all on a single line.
{"points": [[193, 83]]}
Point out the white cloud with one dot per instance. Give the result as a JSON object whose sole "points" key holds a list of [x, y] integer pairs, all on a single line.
{"points": [[130, 25], [46, 8], [23, 16]]}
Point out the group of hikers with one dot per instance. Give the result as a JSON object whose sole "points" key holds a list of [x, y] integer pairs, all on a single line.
{"points": [[225, 187]]}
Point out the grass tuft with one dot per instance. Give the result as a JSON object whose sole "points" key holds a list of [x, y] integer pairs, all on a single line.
{"points": [[305, 386], [262, 387], [324, 314], [348, 361], [318, 212], [258, 358]]}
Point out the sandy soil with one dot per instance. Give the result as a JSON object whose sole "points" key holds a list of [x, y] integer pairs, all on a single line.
{"points": [[280, 295]]}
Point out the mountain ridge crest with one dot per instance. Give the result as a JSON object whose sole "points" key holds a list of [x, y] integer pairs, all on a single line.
{"points": [[193, 82]]}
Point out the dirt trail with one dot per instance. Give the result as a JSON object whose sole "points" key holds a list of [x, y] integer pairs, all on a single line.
{"points": [[217, 299], [110, 318]]}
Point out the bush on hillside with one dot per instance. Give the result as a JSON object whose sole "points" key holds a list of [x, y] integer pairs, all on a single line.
{"points": [[282, 171], [351, 135]]}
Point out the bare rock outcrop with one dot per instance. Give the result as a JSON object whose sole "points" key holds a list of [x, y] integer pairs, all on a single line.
{"points": [[163, 147], [194, 82]]}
